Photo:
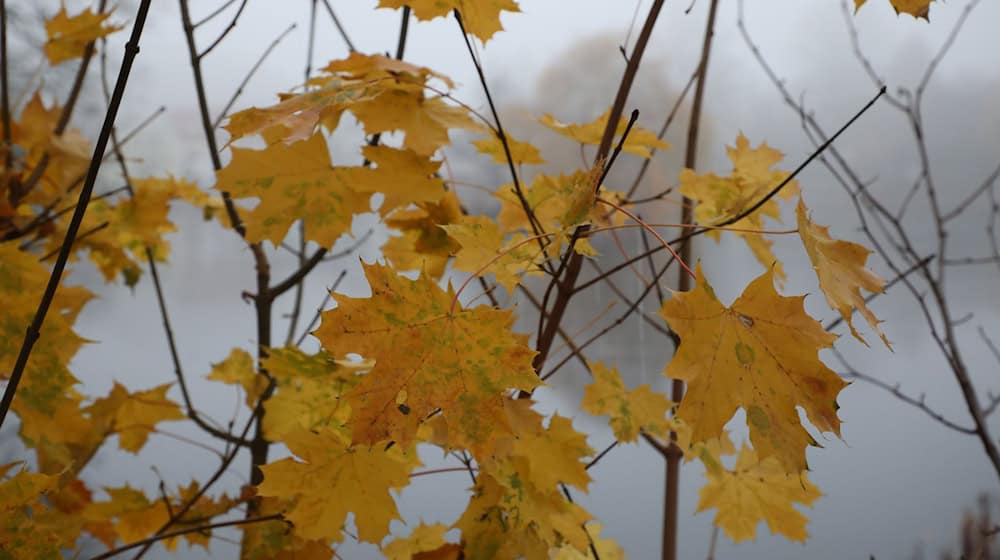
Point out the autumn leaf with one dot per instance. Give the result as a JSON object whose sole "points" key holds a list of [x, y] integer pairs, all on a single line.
{"points": [[426, 358], [134, 516], [424, 246], [383, 93], [760, 354], [757, 490], [426, 542], [721, 198], [334, 478], [309, 390], [639, 142], [68, 37], [521, 153], [484, 251], [480, 17], [508, 517], [134, 416], [607, 549], [293, 182], [277, 539], [631, 411], [238, 369], [916, 8], [840, 267]]}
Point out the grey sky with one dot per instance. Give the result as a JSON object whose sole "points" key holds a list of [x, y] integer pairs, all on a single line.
{"points": [[896, 481]]}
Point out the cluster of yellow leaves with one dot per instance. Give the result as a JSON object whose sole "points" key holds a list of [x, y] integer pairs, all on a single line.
{"points": [[916, 8], [639, 142]]}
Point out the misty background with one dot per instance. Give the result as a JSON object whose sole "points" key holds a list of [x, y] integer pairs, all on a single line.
{"points": [[895, 485]]}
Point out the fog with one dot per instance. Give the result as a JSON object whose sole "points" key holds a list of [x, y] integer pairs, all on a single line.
{"points": [[897, 482]]}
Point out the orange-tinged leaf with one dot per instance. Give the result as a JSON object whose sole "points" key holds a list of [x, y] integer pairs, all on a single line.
{"points": [[760, 354], [68, 36], [293, 182], [758, 490], [752, 178], [631, 411], [480, 17], [134, 416], [426, 542], [425, 121], [916, 8], [521, 153], [639, 141], [840, 267], [335, 478], [426, 358]]}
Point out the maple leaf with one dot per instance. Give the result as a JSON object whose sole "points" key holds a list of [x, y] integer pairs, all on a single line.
{"points": [[426, 358], [335, 478], [424, 246], [298, 181], [133, 416], [607, 549], [293, 182], [720, 198], [480, 17], [238, 369], [68, 37], [840, 267], [28, 528], [759, 354], [639, 141], [483, 250], [508, 517], [309, 390], [426, 542], [757, 490], [277, 540], [383, 93], [916, 8], [522, 153], [134, 516], [631, 411]]}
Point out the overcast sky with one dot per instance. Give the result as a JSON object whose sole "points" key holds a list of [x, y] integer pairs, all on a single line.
{"points": [[897, 480]]}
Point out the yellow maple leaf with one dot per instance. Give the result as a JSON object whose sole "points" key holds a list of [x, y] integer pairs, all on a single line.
{"points": [[293, 182], [480, 17], [134, 416], [134, 516], [427, 358], [68, 37], [424, 246], [916, 8], [757, 490], [238, 369], [720, 198], [638, 143], [760, 354], [335, 478], [631, 411], [484, 251], [426, 542], [277, 540], [508, 517], [522, 153], [840, 267], [309, 390], [607, 549]]}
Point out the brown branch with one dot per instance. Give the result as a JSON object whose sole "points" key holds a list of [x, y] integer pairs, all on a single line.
{"points": [[225, 32], [34, 330], [340, 28], [185, 531]]}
